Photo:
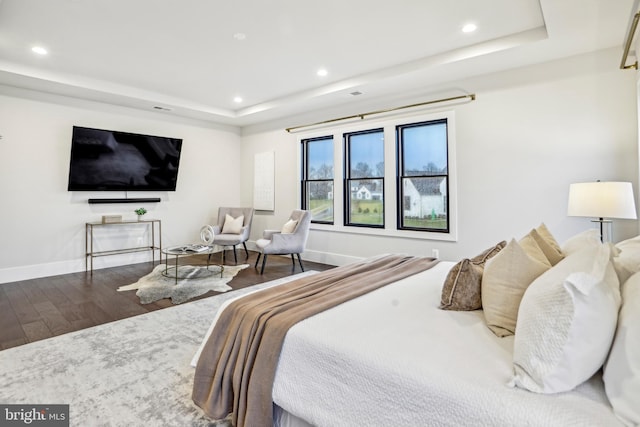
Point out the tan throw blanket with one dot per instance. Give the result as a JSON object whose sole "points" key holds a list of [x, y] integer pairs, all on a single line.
{"points": [[237, 366]]}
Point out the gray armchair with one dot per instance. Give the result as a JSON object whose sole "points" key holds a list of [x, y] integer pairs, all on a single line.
{"points": [[277, 242], [232, 238]]}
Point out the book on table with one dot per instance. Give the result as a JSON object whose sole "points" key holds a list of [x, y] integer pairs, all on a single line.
{"points": [[195, 248]]}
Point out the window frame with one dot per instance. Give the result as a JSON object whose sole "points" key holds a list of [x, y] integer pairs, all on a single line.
{"points": [[400, 176], [390, 205], [304, 149], [348, 179]]}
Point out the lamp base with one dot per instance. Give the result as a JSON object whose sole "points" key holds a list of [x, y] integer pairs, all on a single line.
{"points": [[605, 232]]}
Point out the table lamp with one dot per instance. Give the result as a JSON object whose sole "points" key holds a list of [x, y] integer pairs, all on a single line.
{"points": [[602, 200]]}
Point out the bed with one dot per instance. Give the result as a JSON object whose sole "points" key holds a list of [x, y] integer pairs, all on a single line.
{"points": [[393, 357]]}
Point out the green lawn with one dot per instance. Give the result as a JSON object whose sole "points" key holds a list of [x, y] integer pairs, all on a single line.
{"points": [[368, 212], [323, 211], [438, 223]]}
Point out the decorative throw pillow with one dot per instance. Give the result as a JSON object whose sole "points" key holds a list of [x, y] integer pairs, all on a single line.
{"points": [[232, 225], [548, 245], [289, 227], [505, 279], [548, 237], [531, 247], [566, 322], [627, 261], [461, 289], [580, 241], [622, 370]]}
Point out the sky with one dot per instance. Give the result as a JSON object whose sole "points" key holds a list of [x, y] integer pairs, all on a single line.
{"points": [[422, 145]]}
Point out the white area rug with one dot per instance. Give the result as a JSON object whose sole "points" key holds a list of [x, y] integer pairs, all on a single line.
{"points": [[132, 372], [196, 281]]}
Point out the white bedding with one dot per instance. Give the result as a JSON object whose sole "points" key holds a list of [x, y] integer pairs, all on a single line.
{"points": [[392, 357]]}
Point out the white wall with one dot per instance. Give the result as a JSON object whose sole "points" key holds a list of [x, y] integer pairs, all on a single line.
{"points": [[530, 133], [42, 224]]}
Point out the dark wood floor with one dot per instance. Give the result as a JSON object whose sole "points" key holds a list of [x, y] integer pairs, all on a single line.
{"points": [[36, 309]]}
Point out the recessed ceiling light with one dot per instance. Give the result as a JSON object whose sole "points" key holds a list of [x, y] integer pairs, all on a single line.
{"points": [[39, 50], [237, 100], [322, 72], [239, 36], [469, 28]]}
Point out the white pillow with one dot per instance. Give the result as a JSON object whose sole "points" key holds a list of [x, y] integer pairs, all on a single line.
{"points": [[590, 237], [232, 225], [289, 227], [622, 370], [506, 276], [566, 322], [627, 262]]}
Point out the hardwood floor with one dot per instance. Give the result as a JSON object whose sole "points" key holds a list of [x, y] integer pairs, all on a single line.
{"points": [[36, 309]]}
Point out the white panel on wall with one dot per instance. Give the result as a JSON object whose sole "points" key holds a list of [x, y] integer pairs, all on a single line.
{"points": [[264, 181]]}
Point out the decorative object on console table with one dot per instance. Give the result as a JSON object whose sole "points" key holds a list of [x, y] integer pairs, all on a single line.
{"points": [[602, 200], [140, 212], [110, 219]]}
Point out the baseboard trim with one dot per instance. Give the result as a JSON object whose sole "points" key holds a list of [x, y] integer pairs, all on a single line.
{"points": [[27, 272], [318, 256], [35, 271]]}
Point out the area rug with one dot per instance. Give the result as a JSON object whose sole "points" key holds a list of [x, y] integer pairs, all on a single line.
{"points": [[196, 281], [132, 372]]}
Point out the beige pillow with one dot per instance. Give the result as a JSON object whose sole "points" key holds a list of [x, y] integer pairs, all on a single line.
{"points": [[289, 227], [232, 225], [531, 247], [549, 248], [548, 237], [461, 288], [506, 277]]}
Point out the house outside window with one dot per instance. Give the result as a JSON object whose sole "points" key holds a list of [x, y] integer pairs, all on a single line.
{"points": [[317, 178], [423, 176], [364, 178]]}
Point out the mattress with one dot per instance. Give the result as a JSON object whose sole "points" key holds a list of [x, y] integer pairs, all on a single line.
{"points": [[391, 357]]}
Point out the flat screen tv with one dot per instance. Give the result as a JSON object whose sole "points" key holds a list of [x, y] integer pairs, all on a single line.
{"points": [[105, 160]]}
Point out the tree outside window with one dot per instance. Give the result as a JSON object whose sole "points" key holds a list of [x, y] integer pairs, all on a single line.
{"points": [[423, 176], [364, 183], [317, 178]]}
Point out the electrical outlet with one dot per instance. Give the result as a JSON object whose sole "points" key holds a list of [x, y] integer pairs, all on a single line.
{"points": [[435, 253]]}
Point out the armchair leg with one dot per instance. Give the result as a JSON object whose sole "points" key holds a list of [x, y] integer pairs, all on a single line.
{"points": [[246, 252], [299, 261], [235, 255], [257, 260], [293, 264], [264, 261]]}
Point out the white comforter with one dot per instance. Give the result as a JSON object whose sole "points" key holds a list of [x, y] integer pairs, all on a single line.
{"points": [[392, 358]]}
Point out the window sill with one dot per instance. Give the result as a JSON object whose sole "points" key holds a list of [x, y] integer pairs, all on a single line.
{"points": [[406, 234]]}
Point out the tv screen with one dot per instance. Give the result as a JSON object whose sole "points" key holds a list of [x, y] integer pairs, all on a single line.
{"points": [[104, 160]]}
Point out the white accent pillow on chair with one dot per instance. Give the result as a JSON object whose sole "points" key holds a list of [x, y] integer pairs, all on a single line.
{"points": [[232, 225], [289, 227]]}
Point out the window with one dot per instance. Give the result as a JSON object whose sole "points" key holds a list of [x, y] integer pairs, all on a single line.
{"points": [[317, 178], [364, 178], [423, 176]]}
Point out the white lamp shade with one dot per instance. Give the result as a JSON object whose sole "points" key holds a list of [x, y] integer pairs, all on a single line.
{"points": [[602, 200]]}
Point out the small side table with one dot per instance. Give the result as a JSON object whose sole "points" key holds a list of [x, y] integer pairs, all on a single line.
{"points": [[187, 250]]}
